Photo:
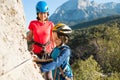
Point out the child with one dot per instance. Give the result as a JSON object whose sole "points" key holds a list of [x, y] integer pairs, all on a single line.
{"points": [[60, 55]]}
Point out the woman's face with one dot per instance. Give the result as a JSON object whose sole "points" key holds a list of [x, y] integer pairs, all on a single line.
{"points": [[43, 16], [56, 39]]}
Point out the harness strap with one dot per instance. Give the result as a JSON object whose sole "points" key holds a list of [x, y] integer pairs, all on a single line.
{"points": [[58, 77], [42, 45], [63, 74], [55, 71]]}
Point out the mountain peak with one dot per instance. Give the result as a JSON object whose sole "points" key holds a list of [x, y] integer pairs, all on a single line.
{"points": [[75, 11], [80, 3]]}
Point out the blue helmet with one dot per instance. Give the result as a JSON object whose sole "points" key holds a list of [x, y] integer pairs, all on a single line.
{"points": [[41, 7]]}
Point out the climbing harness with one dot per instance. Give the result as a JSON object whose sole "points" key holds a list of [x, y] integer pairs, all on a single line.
{"points": [[61, 72], [43, 53], [42, 45]]}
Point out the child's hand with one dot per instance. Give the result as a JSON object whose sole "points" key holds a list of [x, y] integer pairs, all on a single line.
{"points": [[35, 58]]}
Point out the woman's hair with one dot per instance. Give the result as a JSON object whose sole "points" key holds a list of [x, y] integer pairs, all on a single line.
{"points": [[39, 18], [64, 38]]}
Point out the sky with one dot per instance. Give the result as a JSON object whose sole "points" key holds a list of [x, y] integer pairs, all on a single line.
{"points": [[30, 11]]}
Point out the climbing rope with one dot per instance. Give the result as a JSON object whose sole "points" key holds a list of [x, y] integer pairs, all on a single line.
{"points": [[15, 67]]}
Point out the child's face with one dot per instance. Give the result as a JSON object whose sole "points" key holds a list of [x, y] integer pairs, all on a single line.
{"points": [[56, 39]]}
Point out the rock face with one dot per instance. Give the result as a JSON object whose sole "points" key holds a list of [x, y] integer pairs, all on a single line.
{"points": [[15, 60]]}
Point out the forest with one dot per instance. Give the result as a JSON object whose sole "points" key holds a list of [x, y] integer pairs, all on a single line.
{"points": [[95, 49]]}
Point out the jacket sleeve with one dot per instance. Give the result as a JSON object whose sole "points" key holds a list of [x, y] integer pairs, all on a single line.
{"points": [[56, 63]]}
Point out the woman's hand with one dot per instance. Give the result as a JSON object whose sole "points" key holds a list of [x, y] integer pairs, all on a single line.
{"points": [[24, 37]]}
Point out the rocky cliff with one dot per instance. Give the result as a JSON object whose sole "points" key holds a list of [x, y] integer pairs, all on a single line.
{"points": [[15, 60]]}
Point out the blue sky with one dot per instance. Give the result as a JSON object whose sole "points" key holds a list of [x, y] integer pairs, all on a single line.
{"points": [[29, 7]]}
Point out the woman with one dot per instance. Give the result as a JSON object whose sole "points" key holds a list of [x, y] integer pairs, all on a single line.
{"points": [[41, 33], [60, 55]]}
